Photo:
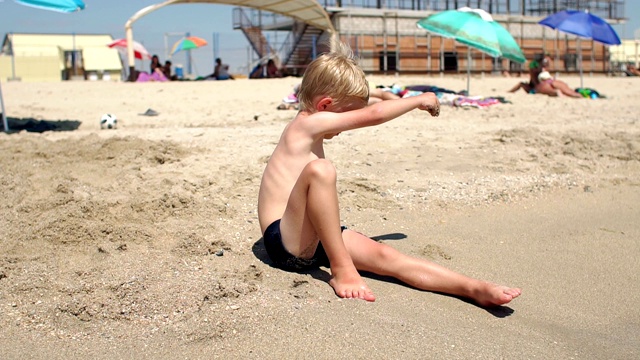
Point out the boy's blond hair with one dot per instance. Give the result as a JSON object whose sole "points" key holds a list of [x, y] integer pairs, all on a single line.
{"points": [[335, 74]]}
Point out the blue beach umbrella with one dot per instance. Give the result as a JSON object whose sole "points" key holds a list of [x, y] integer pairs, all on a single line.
{"points": [[65, 6], [584, 25], [54, 5]]}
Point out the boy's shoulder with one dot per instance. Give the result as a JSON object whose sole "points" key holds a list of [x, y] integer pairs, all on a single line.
{"points": [[301, 126], [301, 116]]}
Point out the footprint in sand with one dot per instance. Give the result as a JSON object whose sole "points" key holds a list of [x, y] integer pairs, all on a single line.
{"points": [[433, 251]]}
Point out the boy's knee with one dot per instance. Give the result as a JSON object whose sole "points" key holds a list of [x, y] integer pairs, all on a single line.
{"points": [[386, 253], [322, 169]]}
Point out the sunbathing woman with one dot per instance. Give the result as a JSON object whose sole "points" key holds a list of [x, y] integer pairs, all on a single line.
{"points": [[549, 86], [541, 81], [535, 68]]}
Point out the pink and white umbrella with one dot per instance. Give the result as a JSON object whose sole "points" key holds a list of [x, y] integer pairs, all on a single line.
{"points": [[139, 51]]}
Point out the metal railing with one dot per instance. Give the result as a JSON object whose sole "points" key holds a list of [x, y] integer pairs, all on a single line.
{"points": [[252, 32], [608, 9], [291, 41]]}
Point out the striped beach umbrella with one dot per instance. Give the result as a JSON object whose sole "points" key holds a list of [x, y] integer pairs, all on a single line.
{"points": [[138, 49], [187, 43]]}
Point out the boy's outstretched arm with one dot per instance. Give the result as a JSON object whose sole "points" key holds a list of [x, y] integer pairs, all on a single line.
{"points": [[376, 114], [389, 110]]}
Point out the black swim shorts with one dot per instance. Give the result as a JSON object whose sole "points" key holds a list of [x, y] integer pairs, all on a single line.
{"points": [[283, 259]]}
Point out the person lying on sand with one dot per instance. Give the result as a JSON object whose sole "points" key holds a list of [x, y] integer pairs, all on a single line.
{"points": [[631, 70], [298, 205], [375, 95]]}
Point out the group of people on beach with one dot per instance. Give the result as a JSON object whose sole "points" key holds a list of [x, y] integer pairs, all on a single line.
{"points": [[163, 72], [266, 71], [157, 71]]}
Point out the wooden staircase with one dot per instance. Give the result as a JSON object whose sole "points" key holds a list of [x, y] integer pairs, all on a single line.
{"points": [[305, 42], [298, 49], [253, 33]]}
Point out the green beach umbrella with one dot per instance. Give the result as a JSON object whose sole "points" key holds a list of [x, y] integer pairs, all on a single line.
{"points": [[474, 28]]}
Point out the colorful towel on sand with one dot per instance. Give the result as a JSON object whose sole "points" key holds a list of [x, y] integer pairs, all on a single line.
{"points": [[144, 77], [404, 91], [449, 97], [446, 96], [433, 89], [478, 102]]}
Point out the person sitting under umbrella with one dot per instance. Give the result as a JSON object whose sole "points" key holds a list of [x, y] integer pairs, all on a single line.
{"points": [[541, 81], [268, 70], [551, 86], [529, 86]]}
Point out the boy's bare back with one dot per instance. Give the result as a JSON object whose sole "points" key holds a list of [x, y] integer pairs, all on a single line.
{"points": [[294, 150]]}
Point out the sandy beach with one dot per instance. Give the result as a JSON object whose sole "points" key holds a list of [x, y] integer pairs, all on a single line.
{"points": [[143, 242]]}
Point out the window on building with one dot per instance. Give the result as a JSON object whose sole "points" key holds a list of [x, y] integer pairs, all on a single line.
{"points": [[450, 61], [388, 62]]}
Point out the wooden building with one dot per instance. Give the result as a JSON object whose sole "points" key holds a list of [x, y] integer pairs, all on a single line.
{"points": [[385, 36]]}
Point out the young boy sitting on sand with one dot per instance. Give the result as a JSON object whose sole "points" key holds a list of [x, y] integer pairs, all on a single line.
{"points": [[298, 201]]}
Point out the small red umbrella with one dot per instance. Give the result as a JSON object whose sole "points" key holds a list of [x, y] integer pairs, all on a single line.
{"points": [[139, 51]]}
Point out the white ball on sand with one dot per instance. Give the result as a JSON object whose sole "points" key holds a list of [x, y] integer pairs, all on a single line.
{"points": [[108, 121]]}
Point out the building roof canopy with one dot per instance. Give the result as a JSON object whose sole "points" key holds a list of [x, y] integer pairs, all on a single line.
{"points": [[308, 11]]}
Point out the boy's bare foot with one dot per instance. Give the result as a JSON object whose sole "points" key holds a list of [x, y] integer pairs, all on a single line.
{"points": [[494, 295], [350, 287]]}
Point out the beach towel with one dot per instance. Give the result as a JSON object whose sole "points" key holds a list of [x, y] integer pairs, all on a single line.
{"points": [[478, 102], [412, 90], [144, 77], [430, 88], [452, 98]]}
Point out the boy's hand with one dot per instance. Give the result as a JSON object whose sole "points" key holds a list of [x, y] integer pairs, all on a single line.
{"points": [[430, 103]]}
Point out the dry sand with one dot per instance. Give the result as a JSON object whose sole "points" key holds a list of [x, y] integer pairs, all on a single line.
{"points": [[111, 238]]}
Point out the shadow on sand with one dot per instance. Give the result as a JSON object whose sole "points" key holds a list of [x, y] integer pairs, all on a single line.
{"points": [[32, 125]]}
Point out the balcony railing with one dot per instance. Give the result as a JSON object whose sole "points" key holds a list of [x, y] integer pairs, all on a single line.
{"points": [[608, 9]]}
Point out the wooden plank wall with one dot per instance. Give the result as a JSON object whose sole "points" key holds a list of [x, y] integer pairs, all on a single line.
{"points": [[423, 54]]}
